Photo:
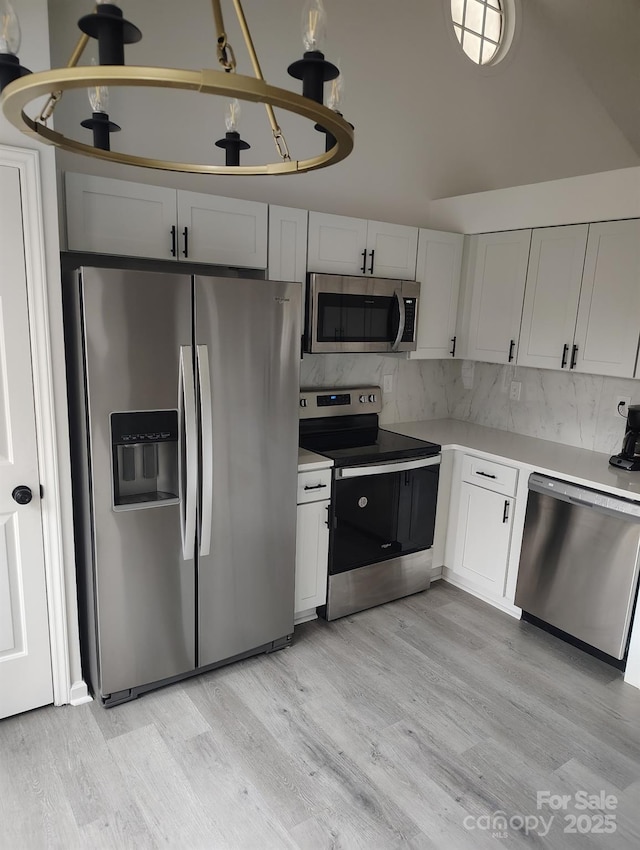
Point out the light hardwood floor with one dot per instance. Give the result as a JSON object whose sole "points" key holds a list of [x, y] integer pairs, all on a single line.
{"points": [[382, 730]]}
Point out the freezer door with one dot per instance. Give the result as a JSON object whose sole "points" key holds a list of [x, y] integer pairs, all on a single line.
{"points": [[139, 359], [248, 337]]}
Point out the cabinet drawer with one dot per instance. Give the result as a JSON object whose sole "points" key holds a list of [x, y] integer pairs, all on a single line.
{"points": [[493, 476], [314, 485]]}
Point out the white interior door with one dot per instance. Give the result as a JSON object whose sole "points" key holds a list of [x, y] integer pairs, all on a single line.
{"points": [[25, 657]]}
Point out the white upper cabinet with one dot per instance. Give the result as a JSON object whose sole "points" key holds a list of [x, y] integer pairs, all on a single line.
{"points": [[498, 269], [107, 216], [608, 325], [353, 246], [438, 272], [287, 243], [392, 250], [554, 278], [223, 231], [337, 244]]}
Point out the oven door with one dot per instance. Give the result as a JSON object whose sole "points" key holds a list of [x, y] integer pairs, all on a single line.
{"points": [[350, 314], [382, 511]]}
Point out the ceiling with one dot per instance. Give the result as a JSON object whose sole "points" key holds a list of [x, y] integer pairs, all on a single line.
{"points": [[428, 123]]}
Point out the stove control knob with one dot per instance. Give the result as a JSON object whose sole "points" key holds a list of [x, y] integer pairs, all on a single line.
{"points": [[303, 402], [372, 397], [363, 399]]}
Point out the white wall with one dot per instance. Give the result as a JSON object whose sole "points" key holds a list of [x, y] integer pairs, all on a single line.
{"points": [[428, 123], [594, 197], [566, 407], [35, 55]]}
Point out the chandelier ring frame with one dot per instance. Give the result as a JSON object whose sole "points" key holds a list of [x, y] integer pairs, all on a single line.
{"points": [[20, 93]]}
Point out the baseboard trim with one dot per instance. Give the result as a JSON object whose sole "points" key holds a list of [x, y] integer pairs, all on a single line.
{"points": [[79, 693], [305, 616], [501, 604]]}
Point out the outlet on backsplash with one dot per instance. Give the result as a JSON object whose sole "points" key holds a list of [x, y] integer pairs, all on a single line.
{"points": [[387, 384], [514, 390]]}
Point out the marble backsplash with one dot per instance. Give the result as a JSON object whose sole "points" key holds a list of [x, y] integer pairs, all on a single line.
{"points": [[419, 387], [565, 407]]}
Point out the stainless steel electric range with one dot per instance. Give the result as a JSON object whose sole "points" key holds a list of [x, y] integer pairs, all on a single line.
{"points": [[383, 500]]}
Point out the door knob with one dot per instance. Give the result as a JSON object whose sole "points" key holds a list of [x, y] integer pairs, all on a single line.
{"points": [[22, 495]]}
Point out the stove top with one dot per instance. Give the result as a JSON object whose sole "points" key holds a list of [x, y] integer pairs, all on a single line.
{"points": [[342, 424], [366, 445]]}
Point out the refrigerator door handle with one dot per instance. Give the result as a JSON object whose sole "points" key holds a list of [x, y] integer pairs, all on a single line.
{"points": [[206, 419], [189, 467]]}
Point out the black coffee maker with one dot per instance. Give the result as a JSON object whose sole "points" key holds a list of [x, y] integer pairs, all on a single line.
{"points": [[629, 457]]}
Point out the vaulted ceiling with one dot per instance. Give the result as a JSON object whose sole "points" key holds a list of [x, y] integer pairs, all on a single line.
{"points": [[429, 124]]}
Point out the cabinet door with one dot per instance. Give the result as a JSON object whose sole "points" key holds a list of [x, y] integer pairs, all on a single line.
{"points": [[287, 243], [609, 312], [288, 247], [392, 250], [498, 266], [116, 217], [482, 539], [554, 277], [438, 271], [337, 244], [312, 552], [222, 231]]}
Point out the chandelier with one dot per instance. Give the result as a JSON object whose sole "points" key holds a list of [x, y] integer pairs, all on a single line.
{"points": [[107, 25]]}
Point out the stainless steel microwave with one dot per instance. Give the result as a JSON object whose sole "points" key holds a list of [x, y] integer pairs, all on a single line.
{"points": [[360, 314]]}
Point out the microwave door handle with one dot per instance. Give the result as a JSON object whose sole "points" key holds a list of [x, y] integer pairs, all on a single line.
{"points": [[206, 447], [401, 323]]}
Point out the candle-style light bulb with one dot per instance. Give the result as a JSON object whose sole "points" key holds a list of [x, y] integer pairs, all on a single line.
{"points": [[314, 25], [9, 29], [335, 98], [98, 96], [232, 116]]}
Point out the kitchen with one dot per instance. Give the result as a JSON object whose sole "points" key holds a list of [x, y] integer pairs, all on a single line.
{"points": [[434, 388]]}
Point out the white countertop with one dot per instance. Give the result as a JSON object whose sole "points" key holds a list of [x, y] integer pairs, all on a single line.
{"points": [[585, 467], [310, 460]]}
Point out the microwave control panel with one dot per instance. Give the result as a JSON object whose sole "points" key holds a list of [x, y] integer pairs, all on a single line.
{"points": [[409, 320]]}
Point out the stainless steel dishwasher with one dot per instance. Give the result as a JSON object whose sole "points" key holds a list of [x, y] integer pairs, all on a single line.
{"points": [[579, 562]]}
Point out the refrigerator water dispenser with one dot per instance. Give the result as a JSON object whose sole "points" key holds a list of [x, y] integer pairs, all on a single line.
{"points": [[145, 458]]}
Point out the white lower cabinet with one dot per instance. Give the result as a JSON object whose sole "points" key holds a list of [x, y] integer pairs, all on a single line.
{"points": [[481, 519], [483, 535], [312, 543]]}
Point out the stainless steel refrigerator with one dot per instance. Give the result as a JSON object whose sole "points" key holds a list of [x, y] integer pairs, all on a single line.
{"points": [[184, 393]]}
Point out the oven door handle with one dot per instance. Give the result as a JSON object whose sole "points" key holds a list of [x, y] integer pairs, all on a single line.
{"points": [[382, 468], [401, 323]]}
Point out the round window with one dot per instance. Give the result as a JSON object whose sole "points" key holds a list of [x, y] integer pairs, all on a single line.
{"points": [[480, 27]]}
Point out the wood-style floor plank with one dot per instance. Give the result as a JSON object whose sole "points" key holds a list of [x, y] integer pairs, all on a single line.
{"points": [[407, 726]]}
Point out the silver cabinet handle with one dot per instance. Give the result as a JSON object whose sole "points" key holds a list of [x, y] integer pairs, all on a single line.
{"points": [[206, 420], [401, 323], [189, 475]]}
